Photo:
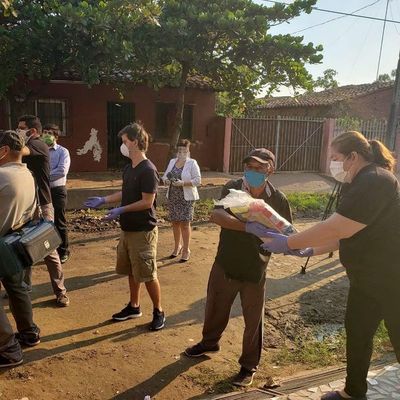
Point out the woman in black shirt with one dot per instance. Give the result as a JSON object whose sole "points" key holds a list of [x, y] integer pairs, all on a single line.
{"points": [[366, 230]]}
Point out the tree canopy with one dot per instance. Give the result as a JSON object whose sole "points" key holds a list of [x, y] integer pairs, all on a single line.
{"points": [[90, 38], [327, 80], [386, 77], [164, 42]]}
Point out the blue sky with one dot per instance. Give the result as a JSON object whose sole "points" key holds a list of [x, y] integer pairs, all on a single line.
{"points": [[351, 45]]}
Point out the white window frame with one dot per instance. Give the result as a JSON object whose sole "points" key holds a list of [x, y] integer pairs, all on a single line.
{"points": [[43, 100], [63, 108]]}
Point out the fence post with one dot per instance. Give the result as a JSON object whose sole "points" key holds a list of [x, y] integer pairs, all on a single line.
{"points": [[278, 134], [325, 157], [227, 145]]}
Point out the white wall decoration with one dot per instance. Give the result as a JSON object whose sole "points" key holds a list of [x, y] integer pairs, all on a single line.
{"points": [[93, 145]]}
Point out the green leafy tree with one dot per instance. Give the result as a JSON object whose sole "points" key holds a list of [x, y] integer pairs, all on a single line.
{"points": [[89, 38], [160, 42], [228, 42], [387, 77], [327, 80], [6, 7]]}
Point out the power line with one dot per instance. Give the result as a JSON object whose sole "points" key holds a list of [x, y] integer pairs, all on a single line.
{"points": [[336, 18], [382, 38], [340, 12]]}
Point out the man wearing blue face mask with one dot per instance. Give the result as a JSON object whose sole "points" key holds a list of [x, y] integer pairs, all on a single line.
{"points": [[240, 268]]}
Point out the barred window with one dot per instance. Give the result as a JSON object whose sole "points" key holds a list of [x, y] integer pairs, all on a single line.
{"points": [[50, 111]]}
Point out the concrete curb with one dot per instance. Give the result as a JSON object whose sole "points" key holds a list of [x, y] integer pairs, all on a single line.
{"points": [[76, 197]]}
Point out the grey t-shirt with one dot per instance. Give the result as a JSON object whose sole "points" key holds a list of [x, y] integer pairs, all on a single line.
{"points": [[17, 196]]}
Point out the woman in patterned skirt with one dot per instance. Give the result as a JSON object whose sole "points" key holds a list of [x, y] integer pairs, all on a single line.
{"points": [[182, 178]]}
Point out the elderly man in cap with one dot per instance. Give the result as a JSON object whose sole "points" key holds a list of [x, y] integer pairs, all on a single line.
{"points": [[17, 206], [239, 267]]}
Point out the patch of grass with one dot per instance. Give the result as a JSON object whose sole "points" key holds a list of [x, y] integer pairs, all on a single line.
{"points": [[313, 353], [212, 380], [308, 351], [202, 210], [308, 204], [382, 340]]}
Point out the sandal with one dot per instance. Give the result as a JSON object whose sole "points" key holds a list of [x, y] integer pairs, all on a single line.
{"points": [[174, 255], [185, 259], [337, 396]]}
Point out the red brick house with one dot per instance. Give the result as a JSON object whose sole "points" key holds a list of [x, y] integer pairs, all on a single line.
{"points": [[90, 119], [365, 101]]}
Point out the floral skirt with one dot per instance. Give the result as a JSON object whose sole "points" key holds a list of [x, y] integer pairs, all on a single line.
{"points": [[179, 209]]}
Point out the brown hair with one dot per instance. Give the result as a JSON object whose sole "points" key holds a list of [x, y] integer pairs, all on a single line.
{"points": [[55, 130], [371, 150], [183, 143], [135, 131], [32, 122]]}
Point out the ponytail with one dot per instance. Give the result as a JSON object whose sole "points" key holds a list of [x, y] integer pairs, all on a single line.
{"points": [[371, 150], [381, 155]]}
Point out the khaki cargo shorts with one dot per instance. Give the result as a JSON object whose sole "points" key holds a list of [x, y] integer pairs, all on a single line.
{"points": [[136, 255]]}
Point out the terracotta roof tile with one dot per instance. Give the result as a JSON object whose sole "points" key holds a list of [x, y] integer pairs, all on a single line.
{"points": [[326, 97], [194, 81]]}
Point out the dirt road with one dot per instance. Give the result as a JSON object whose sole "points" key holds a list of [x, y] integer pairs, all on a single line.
{"points": [[85, 356]]}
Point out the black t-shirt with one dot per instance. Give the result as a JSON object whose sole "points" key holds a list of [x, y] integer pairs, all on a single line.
{"points": [[372, 255], [143, 178], [239, 252], [38, 163]]}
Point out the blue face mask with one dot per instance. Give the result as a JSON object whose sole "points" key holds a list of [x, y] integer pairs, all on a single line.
{"points": [[255, 179]]}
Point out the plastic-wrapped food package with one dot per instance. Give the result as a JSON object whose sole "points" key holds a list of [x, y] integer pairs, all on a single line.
{"points": [[246, 208]]}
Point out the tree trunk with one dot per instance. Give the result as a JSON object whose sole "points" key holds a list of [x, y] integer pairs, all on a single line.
{"points": [[180, 106]]}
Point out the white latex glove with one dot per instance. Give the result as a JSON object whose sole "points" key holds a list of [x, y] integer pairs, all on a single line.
{"points": [[178, 183]]}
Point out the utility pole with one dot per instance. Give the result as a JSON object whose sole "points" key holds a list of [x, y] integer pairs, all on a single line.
{"points": [[394, 117], [382, 38]]}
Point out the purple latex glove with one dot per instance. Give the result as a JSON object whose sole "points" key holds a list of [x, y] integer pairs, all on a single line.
{"points": [[307, 252], [94, 202], [258, 229], [278, 243], [114, 213]]}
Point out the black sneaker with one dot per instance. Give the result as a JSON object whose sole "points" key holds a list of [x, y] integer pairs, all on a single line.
{"points": [[127, 313], [158, 320], [29, 337], [6, 363], [199, 349], [243, 378]]}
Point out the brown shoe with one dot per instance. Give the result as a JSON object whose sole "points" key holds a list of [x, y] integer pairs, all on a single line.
{"points": [[62, 300]]}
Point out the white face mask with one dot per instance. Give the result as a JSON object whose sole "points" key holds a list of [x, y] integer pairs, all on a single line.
{"points": [[124, 150], [337, 171], [23, 133]]}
